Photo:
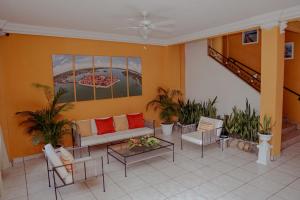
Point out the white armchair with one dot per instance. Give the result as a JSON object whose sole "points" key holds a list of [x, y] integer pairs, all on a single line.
{"points": [[80, 168], [208, 132]]}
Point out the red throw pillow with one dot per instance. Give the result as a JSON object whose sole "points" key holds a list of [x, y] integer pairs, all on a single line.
{"points": [[105, 125], [135, 121]]}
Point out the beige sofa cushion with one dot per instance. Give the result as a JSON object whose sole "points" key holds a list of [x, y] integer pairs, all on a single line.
{"points": [[120, 122], [84, 127], [205, 126], [116, 136]]}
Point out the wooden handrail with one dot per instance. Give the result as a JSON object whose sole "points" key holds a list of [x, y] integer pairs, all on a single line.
{"points": [[228, 60], [293, 92], [234, 60], [235, 68], [245, 75]]}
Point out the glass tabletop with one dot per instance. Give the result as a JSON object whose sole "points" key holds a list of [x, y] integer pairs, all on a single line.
{"points": [[124, 150]]}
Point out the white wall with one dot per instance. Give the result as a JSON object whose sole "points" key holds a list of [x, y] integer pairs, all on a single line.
{"points": [[205, 78]]}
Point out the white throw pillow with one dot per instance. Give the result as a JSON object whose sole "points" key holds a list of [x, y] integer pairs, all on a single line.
{"points": [[55, 161], [66, 155]]}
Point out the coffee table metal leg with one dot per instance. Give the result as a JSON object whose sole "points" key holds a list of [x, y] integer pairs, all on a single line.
{"points": [[125, 164], [222, 145], [173, 153], [107, 155]]}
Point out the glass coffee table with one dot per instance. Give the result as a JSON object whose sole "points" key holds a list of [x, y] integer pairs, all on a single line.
{"points": [[127, 156]]}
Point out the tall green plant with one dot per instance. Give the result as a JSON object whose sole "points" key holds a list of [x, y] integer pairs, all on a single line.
{"points": [[46, 124], [209, 108], [189, 112], [243, 124], [166, 101]]}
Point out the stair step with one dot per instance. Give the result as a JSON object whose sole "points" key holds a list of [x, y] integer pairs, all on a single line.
{"points": [[290, 138], [288, 128]]}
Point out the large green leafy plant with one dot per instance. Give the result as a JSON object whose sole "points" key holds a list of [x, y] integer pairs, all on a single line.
{"points": [[46, 125], [166, 101], [243, 124], [190, 111]]}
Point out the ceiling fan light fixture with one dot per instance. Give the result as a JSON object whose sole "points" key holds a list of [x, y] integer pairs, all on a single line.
{"points": [[144, 32]]}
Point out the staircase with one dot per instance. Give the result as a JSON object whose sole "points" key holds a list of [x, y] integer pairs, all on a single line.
{"points": [[244, 72], [290, 130], [290, 133]]}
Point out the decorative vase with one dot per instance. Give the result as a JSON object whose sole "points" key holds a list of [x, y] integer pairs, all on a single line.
{"points": [[167, 128], [264, 149]]}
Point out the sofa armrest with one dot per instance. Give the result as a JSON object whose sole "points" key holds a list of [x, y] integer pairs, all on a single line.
{"points": [[76, 137], [98, 170]]}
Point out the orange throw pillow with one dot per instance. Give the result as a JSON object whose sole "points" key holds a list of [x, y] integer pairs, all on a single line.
{"points": [[105, 125], [135, 120]]}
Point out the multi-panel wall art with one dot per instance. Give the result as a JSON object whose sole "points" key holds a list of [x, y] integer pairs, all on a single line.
{"points": [[97, 77]]}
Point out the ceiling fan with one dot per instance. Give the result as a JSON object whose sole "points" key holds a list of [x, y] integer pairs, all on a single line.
{"points": [[146, 26], [2, 32]]}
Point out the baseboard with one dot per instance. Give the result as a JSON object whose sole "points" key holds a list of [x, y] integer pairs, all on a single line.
{"points": [[25, 158]]}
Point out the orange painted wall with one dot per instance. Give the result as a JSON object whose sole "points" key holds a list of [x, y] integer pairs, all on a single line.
{"points": [[27, 59], [249, 55], [291, 105]]}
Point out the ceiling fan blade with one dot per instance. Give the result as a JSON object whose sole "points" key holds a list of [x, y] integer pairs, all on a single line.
{"points": [[133, 27], [126, 28], [161, 29], [164, 23], [2, 23]]}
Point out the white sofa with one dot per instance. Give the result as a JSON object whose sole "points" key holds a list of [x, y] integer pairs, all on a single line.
{"points": [[96, 139]]}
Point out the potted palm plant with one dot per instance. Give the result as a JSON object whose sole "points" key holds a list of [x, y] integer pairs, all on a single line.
{"points": [[265, 136], [46, 125], [166, 101]]}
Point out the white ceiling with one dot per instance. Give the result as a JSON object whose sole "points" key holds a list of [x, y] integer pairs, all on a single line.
{"points": [[99, 19]]}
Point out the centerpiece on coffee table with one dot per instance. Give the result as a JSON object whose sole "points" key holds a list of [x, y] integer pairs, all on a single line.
{"points": [[142, 142], [139, 149]]}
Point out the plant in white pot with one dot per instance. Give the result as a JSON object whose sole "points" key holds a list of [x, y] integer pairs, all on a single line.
{"points": [[166, 101], [265, 136]]}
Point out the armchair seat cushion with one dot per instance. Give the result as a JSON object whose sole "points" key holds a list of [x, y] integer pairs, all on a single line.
{"points": [[116, 136], [193, 137], [196, 137]]}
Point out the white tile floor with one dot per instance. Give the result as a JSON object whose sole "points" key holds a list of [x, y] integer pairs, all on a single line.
{"points": [[230, 175]]}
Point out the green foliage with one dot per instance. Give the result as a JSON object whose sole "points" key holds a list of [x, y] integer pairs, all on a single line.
{"points": [[144, 141], [46, 125], [190, 111], [243, 124], [166, 102], [208, 108], [266, 126]]}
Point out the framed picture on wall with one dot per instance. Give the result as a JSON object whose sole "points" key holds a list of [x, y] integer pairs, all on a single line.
{"points": [[103, 77], [289, 51], [250, 37], [84, 78], [119, 77], [134, 76], [63, 76]]}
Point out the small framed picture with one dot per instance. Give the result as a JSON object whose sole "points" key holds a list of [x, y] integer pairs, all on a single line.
{"points": [[289, 51], [250, 37]]}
